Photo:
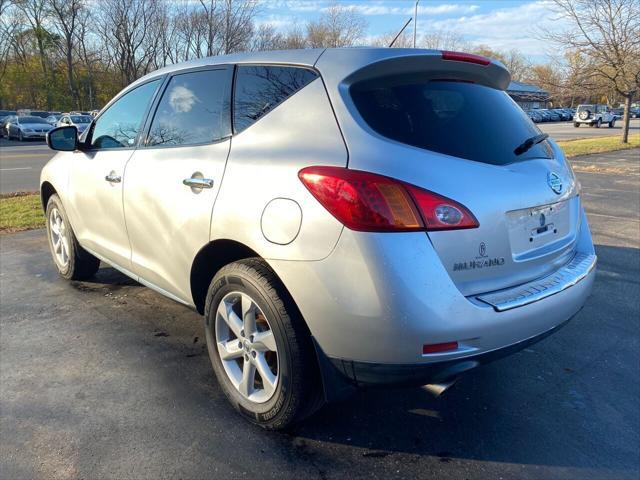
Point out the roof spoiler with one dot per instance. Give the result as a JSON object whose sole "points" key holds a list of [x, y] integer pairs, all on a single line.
{"points": [[438, 65]]}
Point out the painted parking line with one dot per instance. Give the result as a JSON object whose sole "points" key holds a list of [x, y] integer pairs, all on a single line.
{"points": [[17, 168]]}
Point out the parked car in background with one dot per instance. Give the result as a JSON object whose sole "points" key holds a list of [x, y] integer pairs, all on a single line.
{"points": [[7, 113], [320, 262], [543, 114], [594, 115], [534, 115], [4, 125], [617, 112], [28, 127], [53, 119], [81, 122]]}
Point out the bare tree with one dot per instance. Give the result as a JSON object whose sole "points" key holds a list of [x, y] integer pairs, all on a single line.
{"points": [[238, 16], [295, 38], [65, 15], [88, 54], [443, 40], [8, 28], [404, 40], [607, 32], [516, 63], [126, 28], [338, 26], [36, 13], [266, 38]]}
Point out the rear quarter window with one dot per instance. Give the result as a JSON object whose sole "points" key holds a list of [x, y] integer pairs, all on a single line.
{"points": [[461, 119], [259, 89]]}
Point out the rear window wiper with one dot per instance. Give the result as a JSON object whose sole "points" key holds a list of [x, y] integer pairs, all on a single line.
{"points": [[530, 142]]}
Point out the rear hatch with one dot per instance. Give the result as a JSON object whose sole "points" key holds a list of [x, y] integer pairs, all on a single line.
{"points": [[461, 137]]}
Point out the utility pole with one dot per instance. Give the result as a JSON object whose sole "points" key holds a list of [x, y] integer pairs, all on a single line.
{"points": [[415, 23]]}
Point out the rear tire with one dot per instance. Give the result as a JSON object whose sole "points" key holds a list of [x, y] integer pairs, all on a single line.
{"points": [[599, 123], [294, 392], [612, 123], [576, 124], [72, 261]]}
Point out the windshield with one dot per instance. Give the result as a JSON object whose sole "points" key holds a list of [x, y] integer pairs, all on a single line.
{"points": [[464, 120], [80, 119], [25, 120]]}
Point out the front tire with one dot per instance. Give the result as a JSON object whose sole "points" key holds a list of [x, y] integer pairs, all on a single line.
{"points": [[576, 124], [20, 137], [259, 346], [72, 261]]}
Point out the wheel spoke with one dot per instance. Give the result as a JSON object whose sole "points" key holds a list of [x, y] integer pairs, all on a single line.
{"points": [[264, 341], [54, 226], [229, 350], [268, 378], [230, 318], [248, 378], [65, 245], [248, 314]]}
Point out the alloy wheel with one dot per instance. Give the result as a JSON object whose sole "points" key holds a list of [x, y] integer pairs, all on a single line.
{"points": [[246, 346], [59, 238]]}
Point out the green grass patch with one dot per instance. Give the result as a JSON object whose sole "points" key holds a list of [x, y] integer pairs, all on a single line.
{"points": [[20, 211], [586, 146]]}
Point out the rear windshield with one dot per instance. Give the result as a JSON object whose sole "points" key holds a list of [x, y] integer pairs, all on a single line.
{"points": [[583, 108], [455, 118]]}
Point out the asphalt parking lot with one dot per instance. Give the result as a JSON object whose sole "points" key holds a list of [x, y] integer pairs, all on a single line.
{"points": [[108, 380], [566, 130], [21, 162]]}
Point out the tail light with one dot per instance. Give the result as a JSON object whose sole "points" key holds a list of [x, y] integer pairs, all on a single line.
{"points": [[369, 202], [439, 347], [466, 57]]}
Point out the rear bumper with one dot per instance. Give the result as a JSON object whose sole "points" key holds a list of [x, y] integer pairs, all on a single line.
{"points": [[379, 298], [366, 374]]}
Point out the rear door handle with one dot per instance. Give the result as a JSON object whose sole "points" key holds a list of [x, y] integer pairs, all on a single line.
{"points": [[113, 178], [194, 182]]}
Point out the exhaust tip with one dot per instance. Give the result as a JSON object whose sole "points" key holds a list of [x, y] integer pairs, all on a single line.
{"points": [[437, 389]]}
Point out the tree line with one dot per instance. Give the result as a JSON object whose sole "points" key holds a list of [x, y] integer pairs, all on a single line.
{"points": [[77, 54]]}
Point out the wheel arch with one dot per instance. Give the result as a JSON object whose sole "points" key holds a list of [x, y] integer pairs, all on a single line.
{"points": [[46, 190], [209, 260]]}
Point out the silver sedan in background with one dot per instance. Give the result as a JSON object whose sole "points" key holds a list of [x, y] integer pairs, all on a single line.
{"points": [[27, 127]]}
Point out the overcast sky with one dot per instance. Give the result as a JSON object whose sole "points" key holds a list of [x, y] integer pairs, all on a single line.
{"points": [[501, 24]]}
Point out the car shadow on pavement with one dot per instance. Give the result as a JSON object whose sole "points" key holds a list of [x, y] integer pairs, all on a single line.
{"points": [[560, 402], [122, 378]]}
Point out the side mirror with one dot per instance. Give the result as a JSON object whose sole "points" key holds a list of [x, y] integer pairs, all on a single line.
{"points": [[64, 139]]}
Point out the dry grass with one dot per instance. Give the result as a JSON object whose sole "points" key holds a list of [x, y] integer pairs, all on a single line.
{"points": [[20, 211], [586, 146]]}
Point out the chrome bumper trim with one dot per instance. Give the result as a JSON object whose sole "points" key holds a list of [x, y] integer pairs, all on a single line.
{"points": [[567, 276]]}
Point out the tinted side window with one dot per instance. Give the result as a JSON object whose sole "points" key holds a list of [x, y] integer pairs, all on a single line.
{"points": [[194, 109], [259, 89], [119, 126]]}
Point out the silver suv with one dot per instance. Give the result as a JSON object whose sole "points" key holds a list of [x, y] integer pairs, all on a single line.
{"points": [[339, 217], [594, 116]]}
